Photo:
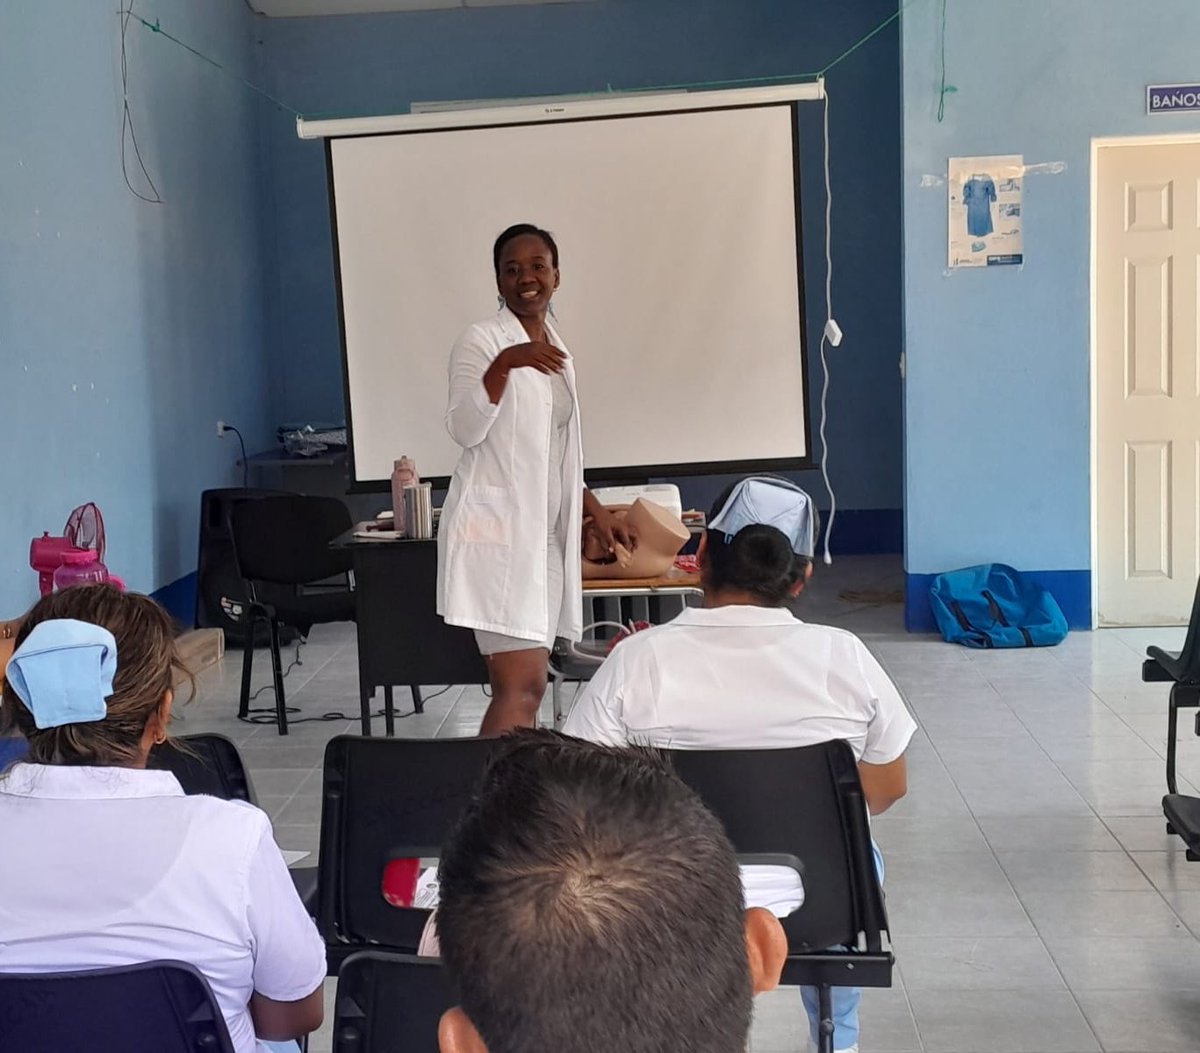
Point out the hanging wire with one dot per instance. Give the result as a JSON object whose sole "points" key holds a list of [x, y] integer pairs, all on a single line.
{"points": [[155, 27], [825, 340], [702, 85], [127, 130], [943, 90]]}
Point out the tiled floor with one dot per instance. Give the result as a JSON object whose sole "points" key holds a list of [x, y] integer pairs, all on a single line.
{"points": [[1036, 902]]}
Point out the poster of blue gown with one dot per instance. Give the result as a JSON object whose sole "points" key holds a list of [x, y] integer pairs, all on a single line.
{"points": [[985, 211]]}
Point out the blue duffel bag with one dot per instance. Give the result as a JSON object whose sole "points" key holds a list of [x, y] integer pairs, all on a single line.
{"points": [[995, 606]]}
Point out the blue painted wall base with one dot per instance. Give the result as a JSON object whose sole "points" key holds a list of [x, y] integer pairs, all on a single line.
{"points": [[864, 532], [179, 598], [1071, 588]]}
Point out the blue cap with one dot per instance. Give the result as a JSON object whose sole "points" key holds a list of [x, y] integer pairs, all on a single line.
{"points": [[771, 502], [63, 672]]}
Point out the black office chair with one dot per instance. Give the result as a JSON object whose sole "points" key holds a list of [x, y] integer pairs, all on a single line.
{"points": [[385, 799], [282, 544], [164, 1006], [390, 1003], [210, 764], [806, 802], [205, 764], [1182, 671]]}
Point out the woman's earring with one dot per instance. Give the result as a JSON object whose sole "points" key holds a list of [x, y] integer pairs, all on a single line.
{"points": [[499, 300], [550, 308]]}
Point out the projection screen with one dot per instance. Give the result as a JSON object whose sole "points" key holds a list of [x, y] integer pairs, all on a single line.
{"points": [[681, 297]]}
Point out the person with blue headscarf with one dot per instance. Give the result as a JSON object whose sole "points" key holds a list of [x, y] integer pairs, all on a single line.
{"points": [[742, 672], [105, 862]]}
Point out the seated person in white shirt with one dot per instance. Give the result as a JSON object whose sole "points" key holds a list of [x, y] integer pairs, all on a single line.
{"points": [[744, 673], [590, 903], [105, 863]]}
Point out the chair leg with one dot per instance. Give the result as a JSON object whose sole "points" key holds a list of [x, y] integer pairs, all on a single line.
{"points": [[247, 662], [825, 1028], [418, 701], [556, 702], [277, 673], [1172, 722], [365, 695], [389, 711]]}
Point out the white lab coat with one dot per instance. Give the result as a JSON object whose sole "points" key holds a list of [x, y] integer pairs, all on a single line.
{"points": [[494, 525]]}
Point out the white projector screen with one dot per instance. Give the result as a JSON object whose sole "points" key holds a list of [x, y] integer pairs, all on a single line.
{"points": [[681, 297]]}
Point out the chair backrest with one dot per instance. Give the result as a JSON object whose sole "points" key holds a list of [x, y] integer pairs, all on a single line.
{"points": [[208, 764], [806, 802], [285, 540], [1189, 657], [390, 1003], [164, 1006], [386, 799]]}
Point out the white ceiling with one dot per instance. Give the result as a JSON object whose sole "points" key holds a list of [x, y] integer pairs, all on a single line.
{"points": [[300, 8]]}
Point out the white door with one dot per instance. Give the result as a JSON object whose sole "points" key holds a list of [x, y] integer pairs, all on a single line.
{"points": [[1147, 382]]}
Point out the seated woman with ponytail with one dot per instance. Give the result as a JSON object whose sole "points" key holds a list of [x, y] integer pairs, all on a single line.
{"points": [[743, 672], [105, 863]]}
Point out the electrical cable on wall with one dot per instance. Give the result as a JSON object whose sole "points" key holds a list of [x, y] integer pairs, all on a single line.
{"points": [[127, 130], [222, 428], [831, 336]]}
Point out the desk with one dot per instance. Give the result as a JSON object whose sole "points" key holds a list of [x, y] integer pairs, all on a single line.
{"points": [[401, 639]]}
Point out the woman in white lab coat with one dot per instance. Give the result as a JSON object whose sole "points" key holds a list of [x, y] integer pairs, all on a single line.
{"points": [[509, 537]]}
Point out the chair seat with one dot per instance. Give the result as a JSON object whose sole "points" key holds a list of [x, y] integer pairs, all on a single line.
{"points": [[1183, 813], [1168, 661], [316, 608]]}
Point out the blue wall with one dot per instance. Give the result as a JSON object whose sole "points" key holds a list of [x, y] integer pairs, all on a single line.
{"points": [[381, 63], [126, 329], [998, 360]]}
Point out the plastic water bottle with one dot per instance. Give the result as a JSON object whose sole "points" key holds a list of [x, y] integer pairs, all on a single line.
{"points": [[82, 567]]}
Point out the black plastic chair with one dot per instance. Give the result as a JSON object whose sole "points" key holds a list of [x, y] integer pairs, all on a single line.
{"points": [[205, 764], [282, 544], [210, 764], [390, 1003], [385, 799], [1182, 671], [806, 802], [165, 1006]]}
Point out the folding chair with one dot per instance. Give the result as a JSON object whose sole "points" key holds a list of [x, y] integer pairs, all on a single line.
{"points": [[1182, 671], [205, 764], [383, 800], [390, 1003], [210, 764], [165, 1006], [807, 802]]}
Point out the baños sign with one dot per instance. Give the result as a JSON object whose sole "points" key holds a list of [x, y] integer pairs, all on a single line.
{"points": [[1172, 98]]}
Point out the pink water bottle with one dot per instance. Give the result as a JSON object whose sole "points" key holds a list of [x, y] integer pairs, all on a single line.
{"points": [[404, 474], [80, 567]]}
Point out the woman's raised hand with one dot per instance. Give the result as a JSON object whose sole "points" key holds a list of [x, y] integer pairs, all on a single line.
{"points": [[545, 358]]}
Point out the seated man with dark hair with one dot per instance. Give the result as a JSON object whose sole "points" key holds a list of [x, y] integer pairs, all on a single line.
{"points": [[590, 903]]}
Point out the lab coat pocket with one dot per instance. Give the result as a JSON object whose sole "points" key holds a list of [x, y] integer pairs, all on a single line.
{"points": [[486, 516]]}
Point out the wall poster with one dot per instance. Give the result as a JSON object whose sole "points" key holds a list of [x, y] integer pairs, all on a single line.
{"points": [[985, 211]]}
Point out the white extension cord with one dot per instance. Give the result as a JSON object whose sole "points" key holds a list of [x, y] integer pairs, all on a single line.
{"points": [[831, 336]]}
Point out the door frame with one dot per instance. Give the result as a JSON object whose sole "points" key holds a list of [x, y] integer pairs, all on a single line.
{"points": [[1100, 143]]}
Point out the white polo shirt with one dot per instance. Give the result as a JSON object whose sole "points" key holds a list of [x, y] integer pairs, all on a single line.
{"points": [[114, 866], [742, 677]]}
